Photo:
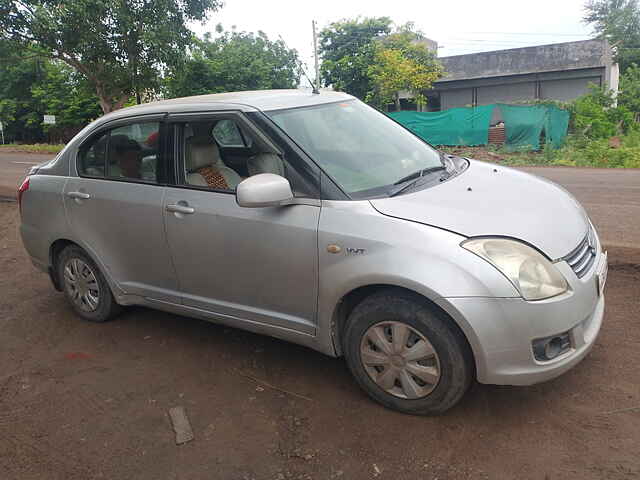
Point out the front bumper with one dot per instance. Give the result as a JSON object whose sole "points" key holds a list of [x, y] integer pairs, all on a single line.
{"points": [[502, 330]]}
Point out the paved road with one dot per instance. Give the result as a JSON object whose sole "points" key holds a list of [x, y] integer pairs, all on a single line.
{"points": [[14, 167], [84, 401], [611, 196]]}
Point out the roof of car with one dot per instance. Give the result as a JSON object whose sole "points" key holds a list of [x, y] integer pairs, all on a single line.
{"points": [[256, 99]]}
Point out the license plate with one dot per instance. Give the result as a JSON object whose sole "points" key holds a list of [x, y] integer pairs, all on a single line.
{"points": [[601, 275]]}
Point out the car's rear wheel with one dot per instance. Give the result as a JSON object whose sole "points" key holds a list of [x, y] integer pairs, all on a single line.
{"points": [[406, 354], [84, 286]]}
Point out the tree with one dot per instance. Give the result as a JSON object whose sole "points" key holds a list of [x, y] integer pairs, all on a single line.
{"points": [[120, 46], [364, 58], [65, 93], [235, 61], [16, 102], [347, 52], [401, 62], [629, 95], [33, 86], [619, 22]]}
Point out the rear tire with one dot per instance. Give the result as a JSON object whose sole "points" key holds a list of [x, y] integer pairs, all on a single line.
{"points": [[84, 286], [378, 341]]}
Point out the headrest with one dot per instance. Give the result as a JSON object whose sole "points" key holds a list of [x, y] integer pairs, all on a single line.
{"points": [[265, 163], [201, 152], [122, 143]]}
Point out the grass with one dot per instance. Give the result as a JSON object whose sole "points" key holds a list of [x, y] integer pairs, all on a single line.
{"points": [[36, 148], [623, 152]]}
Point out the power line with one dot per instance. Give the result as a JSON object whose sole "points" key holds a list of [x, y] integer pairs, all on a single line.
{"points": [[533, 33]]}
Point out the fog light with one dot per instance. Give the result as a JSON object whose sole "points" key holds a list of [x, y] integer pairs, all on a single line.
{"points": [[545, 349]]}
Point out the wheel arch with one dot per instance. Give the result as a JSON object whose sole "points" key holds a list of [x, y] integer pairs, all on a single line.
{"points": [[54, 252], [58, 246], [354, 297]]}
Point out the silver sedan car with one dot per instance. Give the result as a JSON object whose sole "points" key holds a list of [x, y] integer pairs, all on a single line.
{"points": [[315, 219]]}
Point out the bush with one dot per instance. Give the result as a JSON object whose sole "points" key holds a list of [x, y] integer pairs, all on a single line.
{"points": [[594, 116]]}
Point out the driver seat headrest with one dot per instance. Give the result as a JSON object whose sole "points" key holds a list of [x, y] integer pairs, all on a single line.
{"points": [[201, 152]]}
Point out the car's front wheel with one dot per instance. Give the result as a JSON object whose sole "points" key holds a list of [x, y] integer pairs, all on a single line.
{"points": [[84, 286], [407, 355]]}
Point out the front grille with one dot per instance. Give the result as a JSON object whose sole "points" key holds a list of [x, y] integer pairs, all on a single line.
{"points": [[582, 257]]}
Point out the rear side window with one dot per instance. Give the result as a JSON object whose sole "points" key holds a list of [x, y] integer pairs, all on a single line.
{"points": [[130, 152], [93, 157], [133, 152]]}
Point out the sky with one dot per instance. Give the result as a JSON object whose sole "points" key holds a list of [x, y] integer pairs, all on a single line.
{"points": [[459, 26]]}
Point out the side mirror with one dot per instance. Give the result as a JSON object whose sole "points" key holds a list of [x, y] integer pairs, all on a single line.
{"points": [[264, 190]]}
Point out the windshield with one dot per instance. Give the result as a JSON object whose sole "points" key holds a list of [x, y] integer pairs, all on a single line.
{"points": [[360, 148]]}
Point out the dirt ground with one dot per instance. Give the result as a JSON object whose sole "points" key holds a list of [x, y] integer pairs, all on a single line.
{"points": [[84, 401]]}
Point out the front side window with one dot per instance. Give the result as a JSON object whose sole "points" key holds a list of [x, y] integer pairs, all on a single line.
{"points": [[364, 151], [227, 134], [129, 152], [208, 163]]}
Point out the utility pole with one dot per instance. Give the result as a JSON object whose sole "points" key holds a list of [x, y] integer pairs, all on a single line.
{"points": [[316, 87]]}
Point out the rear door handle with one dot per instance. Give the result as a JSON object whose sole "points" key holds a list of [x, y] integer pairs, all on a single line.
{"points": [[79, 195], [177, 208]]}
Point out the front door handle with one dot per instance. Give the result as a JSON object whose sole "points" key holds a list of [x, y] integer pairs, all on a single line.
{"points": [[177, 208], [79, 195]]}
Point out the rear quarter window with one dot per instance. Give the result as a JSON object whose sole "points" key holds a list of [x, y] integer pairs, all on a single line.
{"points": [[92, 158]]}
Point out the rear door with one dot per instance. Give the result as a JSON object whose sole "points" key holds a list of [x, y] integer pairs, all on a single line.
{"points": [[115, 205]]}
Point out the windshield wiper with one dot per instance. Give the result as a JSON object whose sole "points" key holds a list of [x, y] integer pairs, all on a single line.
{"points": [[415, 176]]}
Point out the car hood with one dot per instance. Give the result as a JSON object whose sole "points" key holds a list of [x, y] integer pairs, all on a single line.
{"points": [[488, 199]]}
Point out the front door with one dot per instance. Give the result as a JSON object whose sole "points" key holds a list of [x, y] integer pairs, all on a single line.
{"points": [[115, 207], [250, 264]]}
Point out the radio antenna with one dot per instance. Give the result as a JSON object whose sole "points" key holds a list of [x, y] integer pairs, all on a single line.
{"points": [[304, 72]]}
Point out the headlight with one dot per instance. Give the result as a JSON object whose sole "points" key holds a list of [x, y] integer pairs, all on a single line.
{"points": [[531, 273]]}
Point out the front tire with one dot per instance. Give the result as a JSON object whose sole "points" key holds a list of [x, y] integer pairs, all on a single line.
{"points": [[407, 355], [84, 286]]}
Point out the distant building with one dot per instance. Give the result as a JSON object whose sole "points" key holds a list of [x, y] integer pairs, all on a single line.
{"points": [[561, 71]]}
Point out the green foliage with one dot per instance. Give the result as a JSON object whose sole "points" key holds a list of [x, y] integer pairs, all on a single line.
{"points": [[33, 86], [581, 152], [594, 115], [364, 58], [67, 95], [401, 63], [33, 148], [120, 46], [619, 22], [578, 151], [347, 52], [629, 95], [234, 61], [16, 103]]}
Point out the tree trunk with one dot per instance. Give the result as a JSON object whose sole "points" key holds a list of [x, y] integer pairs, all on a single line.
{"points": [[397, 101], [107, 102]]}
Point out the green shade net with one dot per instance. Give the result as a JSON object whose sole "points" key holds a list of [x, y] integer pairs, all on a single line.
{"points": [[523, 125], [456, 126], [470, 126], [556, 126]]}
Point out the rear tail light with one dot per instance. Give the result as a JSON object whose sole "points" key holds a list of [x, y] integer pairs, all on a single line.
{"points": [[23, 188]]}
